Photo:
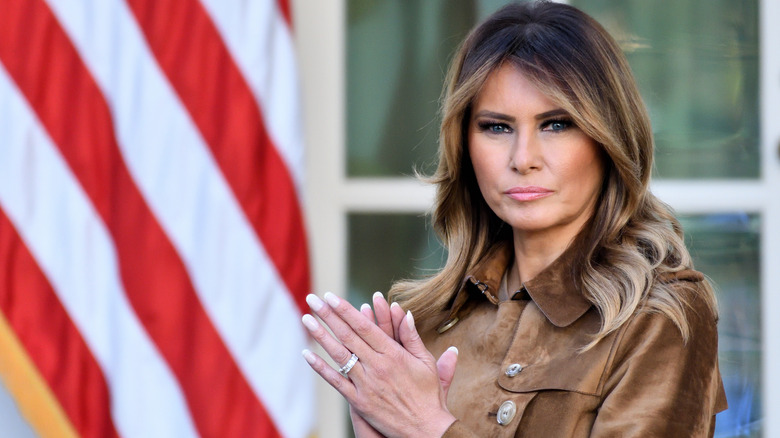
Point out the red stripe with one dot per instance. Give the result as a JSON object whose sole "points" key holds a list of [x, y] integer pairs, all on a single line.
{"points": [[199, 66], [49, 72], [51, 339], [284, 8]]}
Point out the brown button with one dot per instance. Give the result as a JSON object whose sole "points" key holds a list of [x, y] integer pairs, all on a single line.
{"points": [[506, 412], [447, 325]]}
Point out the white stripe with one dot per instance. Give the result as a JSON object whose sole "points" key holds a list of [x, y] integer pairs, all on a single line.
{"points": [[174, 170], [261, 44], [74, 250], [12, 421]]}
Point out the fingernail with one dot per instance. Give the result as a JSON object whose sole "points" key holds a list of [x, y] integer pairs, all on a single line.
{"points": [[308, 355], [410, 320], [378, 295], [453, 349], [394, 304], [310, 322], [314, 302], [364, 307], [331, 299]]}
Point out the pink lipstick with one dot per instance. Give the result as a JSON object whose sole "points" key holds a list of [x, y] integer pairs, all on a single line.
{"points": [[528, 193]]}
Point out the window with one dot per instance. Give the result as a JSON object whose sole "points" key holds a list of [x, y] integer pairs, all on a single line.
{"points": [[372, 71]]}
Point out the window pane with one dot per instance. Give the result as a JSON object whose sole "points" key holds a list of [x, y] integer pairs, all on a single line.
{"points": [[701, 86], [397, 56], [696, 62], [387, 247], [726, 248], [384, 248]]}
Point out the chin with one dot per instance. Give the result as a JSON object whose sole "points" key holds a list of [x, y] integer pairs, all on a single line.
{"points": [[540, 225], [531, 227]]}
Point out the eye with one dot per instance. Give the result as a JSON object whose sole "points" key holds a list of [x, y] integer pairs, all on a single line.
{"points": [[557, 125], [494, 127]]}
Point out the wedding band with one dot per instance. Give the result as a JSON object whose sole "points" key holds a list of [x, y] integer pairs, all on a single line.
{"points": [[350, 363]]}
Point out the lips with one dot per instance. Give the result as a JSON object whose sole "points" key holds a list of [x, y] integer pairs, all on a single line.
{"points": [[528, 193]]}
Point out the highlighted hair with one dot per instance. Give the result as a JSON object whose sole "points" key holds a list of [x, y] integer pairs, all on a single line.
{"points": [[633, 239]]}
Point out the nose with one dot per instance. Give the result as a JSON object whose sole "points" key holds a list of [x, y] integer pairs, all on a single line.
{"points": [[525, 153]]}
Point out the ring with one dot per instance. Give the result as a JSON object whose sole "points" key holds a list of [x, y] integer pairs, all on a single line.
{"points": [[350, 363]]}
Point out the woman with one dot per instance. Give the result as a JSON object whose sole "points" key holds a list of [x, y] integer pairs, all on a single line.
{"points": [[568, 293]]}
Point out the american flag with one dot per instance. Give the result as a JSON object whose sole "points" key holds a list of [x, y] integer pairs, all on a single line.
{"points": [[154, 259]]}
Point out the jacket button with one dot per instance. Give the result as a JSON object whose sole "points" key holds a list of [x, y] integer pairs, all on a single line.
{"points": [[513, 370], [447, 325], [506, 412]]}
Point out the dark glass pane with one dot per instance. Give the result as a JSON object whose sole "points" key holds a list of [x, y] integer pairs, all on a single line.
{"points": [[726, 247], [387, 247], [397, 55], [701, 86], [697, 64], [384, 248]]}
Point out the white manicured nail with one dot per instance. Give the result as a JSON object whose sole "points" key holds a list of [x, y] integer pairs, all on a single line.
{"points": [[309, 356], [310, 322], [410, 320], [365, 307], [314, 302], [454, 349], [331, 299]]}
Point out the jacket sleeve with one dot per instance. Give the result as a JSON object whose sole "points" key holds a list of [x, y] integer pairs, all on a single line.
{"points": [[659, 386]]}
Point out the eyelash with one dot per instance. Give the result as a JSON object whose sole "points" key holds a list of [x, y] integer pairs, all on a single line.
{"points": [[567, 123], [490, 125]]}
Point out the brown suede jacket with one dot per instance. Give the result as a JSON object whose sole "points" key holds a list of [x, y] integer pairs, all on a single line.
{"points": [[519, 363]]}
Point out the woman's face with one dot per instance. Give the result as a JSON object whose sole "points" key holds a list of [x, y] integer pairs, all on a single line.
{"points": [[537, 171]]}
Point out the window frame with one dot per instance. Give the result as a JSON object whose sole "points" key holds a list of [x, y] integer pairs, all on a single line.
{"points": [[330, 195]]}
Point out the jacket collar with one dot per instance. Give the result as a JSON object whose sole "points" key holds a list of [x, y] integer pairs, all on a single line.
{"points": [[554, 290]]}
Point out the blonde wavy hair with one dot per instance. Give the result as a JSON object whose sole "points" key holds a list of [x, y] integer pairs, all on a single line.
{"points": [[632, 240]]}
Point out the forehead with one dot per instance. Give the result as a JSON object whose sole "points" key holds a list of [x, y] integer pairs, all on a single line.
{"points": [[508, 88]]}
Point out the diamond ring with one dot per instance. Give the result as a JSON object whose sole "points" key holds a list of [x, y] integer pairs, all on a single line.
{"points": [[348, 366]]}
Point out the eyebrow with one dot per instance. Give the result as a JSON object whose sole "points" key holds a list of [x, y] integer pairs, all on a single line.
{"points": [[494, 115], [552, 113], [506, 118]]}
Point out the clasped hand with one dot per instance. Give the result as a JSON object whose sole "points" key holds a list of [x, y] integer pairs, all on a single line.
{"points": [[396, 388]]}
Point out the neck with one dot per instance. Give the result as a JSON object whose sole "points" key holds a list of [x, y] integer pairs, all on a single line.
{"points": [[534, 253]]}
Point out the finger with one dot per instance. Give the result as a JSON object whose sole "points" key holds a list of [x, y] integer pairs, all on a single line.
{"points": [[382, 313], [411, 340], [397, 315], [342, 331], [341, 384], [446, 368], [338, 352], [365, 309], [359, 334]]}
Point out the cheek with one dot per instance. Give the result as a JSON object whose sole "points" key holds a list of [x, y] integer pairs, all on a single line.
{"points": [[477, 159], [586, 170], [486, 158], [485, 171]]}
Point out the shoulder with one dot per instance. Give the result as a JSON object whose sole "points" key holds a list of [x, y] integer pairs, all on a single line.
{"points": [[658, 382], [686, 299], [679, 310], [666, 371]]}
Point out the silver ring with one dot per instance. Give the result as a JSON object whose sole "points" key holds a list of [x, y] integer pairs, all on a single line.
{"points": [[348, 366]]}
